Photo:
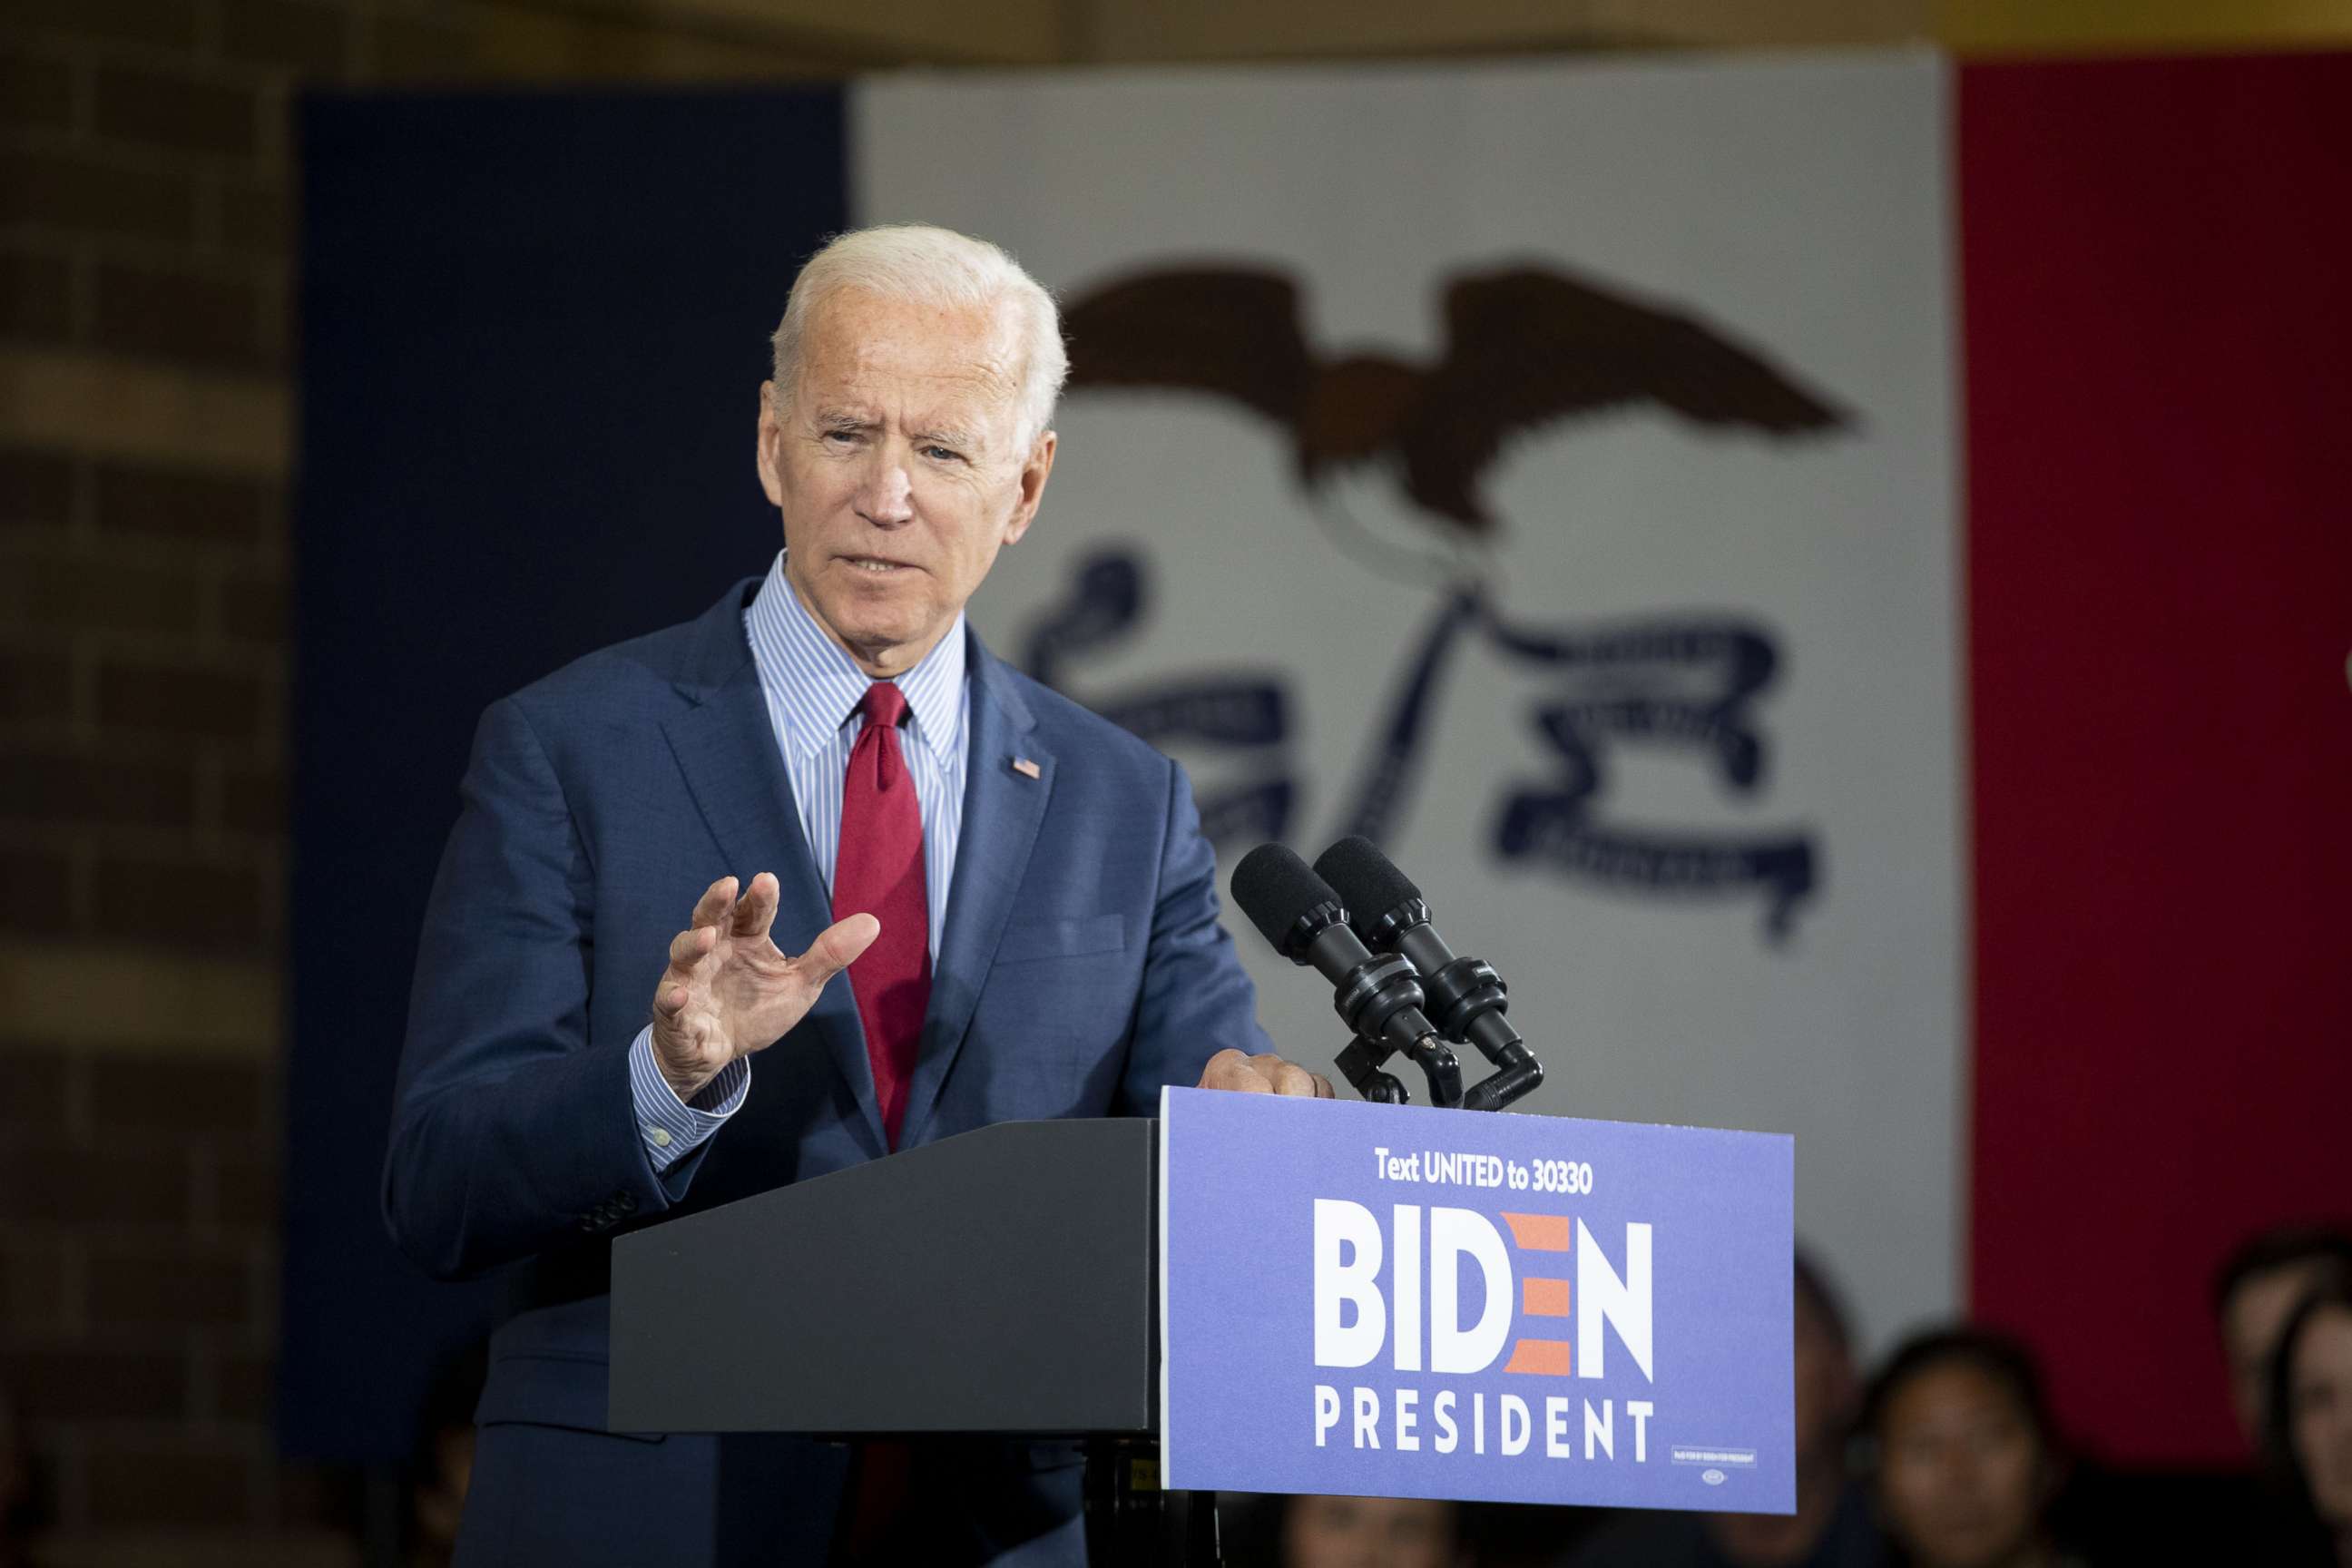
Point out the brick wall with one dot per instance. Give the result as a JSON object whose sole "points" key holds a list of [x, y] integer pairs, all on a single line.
{"points": [[146, 286]]}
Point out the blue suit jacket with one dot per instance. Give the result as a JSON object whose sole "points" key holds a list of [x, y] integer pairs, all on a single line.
{"points": [[1081, 968]]}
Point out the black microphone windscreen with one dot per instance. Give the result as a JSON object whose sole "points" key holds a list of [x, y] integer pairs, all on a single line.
{"points": [[1367, 881], [1274, 887]]}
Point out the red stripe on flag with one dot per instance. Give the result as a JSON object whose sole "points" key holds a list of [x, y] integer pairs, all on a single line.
{"points": [[2159, 404]]}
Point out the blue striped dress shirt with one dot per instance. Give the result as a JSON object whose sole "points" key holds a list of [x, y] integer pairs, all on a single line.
{"points": [[814, 689]]}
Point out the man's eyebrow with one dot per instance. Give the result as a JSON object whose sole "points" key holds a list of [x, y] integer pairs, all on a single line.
{"points": [[841, 419], [950, 436]]}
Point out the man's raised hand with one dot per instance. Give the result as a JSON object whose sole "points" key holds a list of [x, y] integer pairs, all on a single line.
{"points": [[727, 992]]}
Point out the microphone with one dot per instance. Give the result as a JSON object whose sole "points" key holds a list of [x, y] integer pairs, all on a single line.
{"points": [[1377, 998], [1465, 995]]}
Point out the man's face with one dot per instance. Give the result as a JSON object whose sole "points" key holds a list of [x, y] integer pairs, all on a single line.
{"points": [[2252, 1319], [894, 458]]}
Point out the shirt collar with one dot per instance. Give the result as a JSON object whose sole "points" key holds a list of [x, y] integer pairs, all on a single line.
{"points": [[823, 685]]}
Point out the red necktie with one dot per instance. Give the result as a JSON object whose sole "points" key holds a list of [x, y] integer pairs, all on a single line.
{"points": [[879, 871]]}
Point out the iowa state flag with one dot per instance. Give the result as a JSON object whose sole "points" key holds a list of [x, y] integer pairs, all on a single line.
{"points": [[1832, 574]]}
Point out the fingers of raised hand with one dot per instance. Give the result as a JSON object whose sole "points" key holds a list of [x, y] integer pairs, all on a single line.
{"points": [[687, 947], [716, 901], [756, 910], [836, 947]]}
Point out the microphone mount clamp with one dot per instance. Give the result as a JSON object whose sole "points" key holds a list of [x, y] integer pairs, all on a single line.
{"points": [[1368, 998], [1456, 996]]}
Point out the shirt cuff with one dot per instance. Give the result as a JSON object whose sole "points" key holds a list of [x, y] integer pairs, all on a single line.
{"points": [[674, 1128]]}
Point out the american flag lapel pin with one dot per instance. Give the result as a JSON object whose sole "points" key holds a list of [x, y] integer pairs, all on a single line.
{"points": [[1026, 769]]}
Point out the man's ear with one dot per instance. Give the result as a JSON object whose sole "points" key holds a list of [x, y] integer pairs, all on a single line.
{"points": [[1034, 475], [771, 441]]}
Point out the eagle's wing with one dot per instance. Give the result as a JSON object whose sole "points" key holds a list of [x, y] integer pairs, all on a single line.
{"points": [[1528, 347], [1230, 331]]}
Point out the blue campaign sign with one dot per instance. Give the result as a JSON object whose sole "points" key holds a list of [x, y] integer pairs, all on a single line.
{"points": [[1389, 1300]]}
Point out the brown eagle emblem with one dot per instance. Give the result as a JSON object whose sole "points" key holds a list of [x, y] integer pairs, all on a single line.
{"points": [[1526, 347]]}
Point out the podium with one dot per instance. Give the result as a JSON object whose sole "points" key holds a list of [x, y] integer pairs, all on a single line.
{"points": [[1258, 1293], [999, 1282]]}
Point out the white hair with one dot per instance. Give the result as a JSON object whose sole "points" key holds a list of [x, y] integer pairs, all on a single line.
{"points": [[935, 266]]}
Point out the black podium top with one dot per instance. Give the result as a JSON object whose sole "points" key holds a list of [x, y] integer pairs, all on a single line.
{"points": [[1002, 1280]]}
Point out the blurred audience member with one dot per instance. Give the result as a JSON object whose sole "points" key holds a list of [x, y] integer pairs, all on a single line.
{"points": [[1371, 1532], [2309, 1436], [1967, 1460], [2254, 1291], [1831, 1528]]}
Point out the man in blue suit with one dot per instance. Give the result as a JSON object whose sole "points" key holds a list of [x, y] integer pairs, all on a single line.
{"points": [[824, 772]]}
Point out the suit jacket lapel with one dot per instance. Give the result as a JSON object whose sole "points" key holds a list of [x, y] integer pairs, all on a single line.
{"points": [[1003, 811], [727, 748]]}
